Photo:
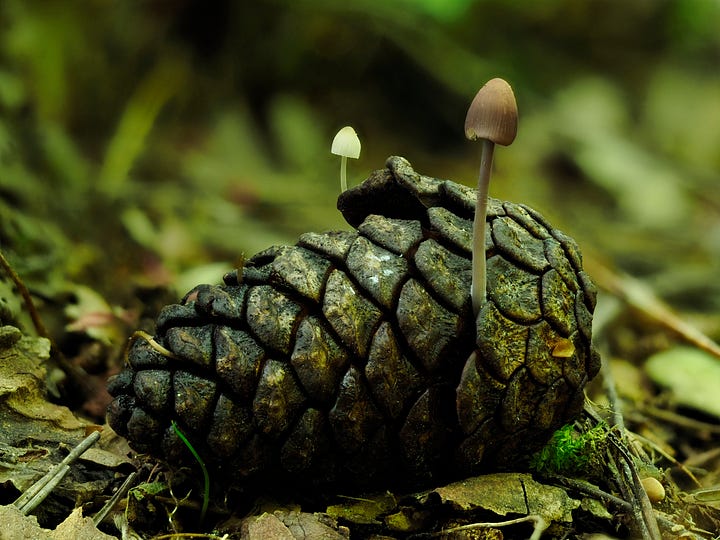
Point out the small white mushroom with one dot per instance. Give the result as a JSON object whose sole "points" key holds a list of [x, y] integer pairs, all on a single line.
{"points": [[345, 144], [492, 118]]}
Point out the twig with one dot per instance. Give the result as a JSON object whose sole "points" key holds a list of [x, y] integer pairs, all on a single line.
{"points": [[612, 395], [539, 526], [589, 489], [641, 297], [45, 488], [622, 484], [75, 373], [627, 474], [664, 454], [150, 340], [25, 293], [112, 501], [642, 509], [701, 459], [36, 493], [680, 420], [207, 536]]}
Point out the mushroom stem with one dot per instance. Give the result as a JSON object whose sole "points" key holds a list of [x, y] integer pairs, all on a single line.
{"points": [[343, 174], [479, 280]]}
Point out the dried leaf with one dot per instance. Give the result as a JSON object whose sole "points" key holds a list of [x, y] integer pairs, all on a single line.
{"points": [[366, 511], [292, 525], [92, 315], [307, 526], [407, 519], [509, 493], [79, 528], [16, 526], [265, 526], [104, 458], [24, 412], [32, 428]]}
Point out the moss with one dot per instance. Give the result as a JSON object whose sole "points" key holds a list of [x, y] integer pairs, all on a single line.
{"points": [[571, 452]]}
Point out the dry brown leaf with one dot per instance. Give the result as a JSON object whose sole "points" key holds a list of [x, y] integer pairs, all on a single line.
{"points": [[510, 493], [79, 528], [292, 525], [16, 526], [32, 427]]}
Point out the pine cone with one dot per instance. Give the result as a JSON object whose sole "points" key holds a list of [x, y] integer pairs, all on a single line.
{"points": [[353, 358]]}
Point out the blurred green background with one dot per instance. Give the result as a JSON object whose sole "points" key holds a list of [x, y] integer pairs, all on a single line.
{"points": [[157, 141]]}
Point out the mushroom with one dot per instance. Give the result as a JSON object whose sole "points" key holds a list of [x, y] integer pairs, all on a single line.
{"points": [[492, 118], [654, 489], [345, 144]]}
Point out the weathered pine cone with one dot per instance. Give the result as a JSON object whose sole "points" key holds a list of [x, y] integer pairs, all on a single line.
{"points": [[354, 358]]}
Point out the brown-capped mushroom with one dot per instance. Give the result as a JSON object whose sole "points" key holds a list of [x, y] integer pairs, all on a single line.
{"points": [[492, 118]]}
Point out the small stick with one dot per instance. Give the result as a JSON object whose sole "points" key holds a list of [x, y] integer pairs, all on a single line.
{"points": [[46, 487], [656, 447], [589, 489], [112, 501], [32, 496], [75, 373], [150, 340], [25, 293], [679, 420], [642, 298], [539, 526], [642, 509], [612, 395]]}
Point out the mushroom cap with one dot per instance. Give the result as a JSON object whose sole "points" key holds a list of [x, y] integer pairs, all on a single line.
{"points": [[493, 114], [346, 143]]}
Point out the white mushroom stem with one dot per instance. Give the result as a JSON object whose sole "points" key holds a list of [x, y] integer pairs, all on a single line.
{"points": [[479, 280], [343, 173]]}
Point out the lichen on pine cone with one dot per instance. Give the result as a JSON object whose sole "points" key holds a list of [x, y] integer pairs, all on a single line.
{"points": [[353, 358]]}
